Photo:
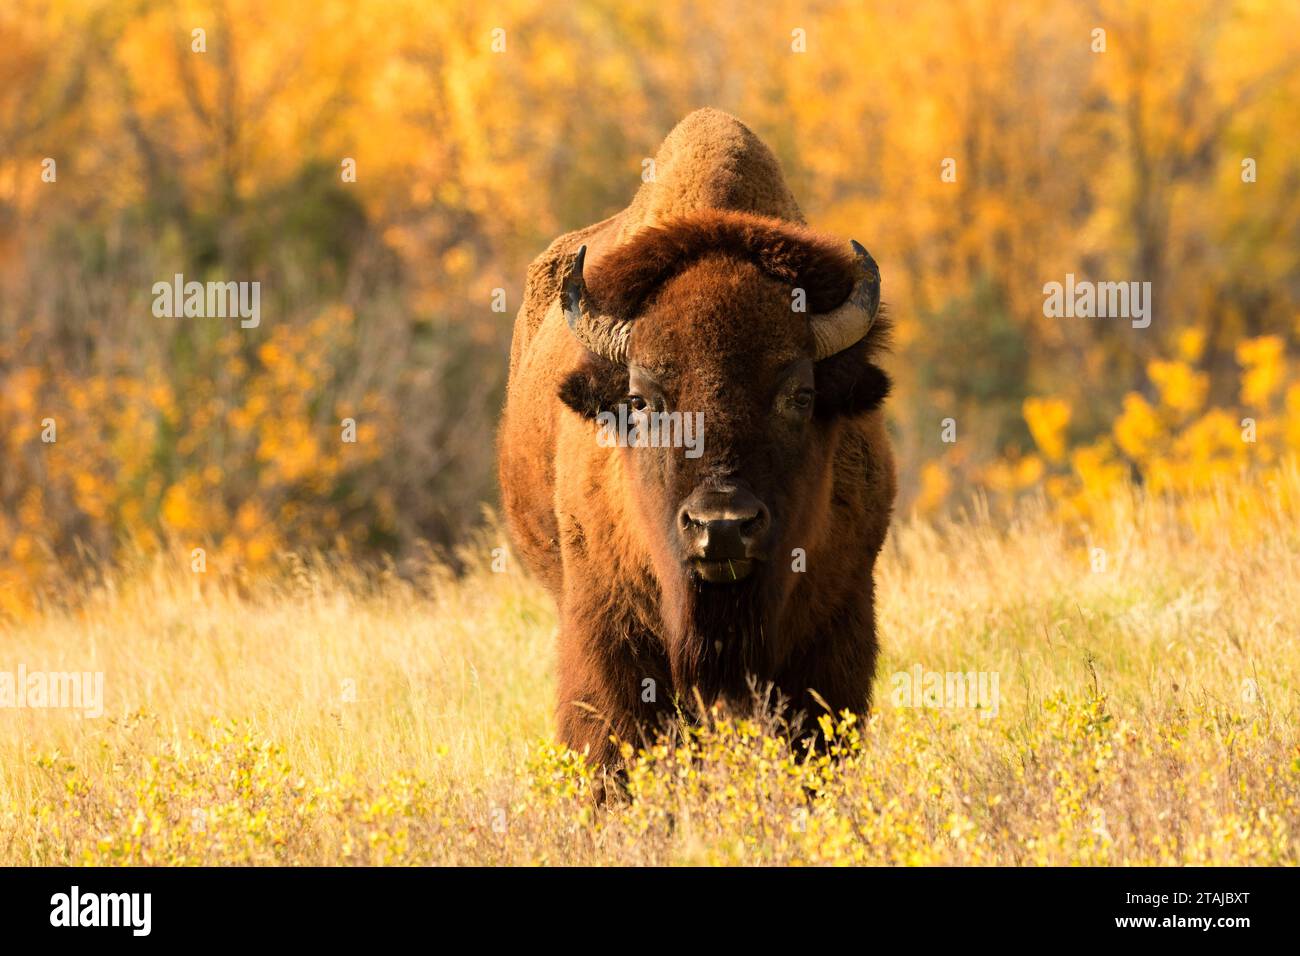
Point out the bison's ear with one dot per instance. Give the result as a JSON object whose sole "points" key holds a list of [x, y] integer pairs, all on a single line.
{"points": [[597, 385], [848, 384]]}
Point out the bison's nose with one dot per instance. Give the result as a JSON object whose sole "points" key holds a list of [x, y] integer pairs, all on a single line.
{"points": [[725, 525]]}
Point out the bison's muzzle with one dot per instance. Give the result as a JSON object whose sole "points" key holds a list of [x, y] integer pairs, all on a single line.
{"points": [[723, 531]]}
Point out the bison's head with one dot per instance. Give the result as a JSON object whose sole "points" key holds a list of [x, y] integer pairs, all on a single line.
{"points": [[758, 331]]}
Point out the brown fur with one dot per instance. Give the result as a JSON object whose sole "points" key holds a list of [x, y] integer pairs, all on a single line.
{"points": [[704, 259], [628, 277]]}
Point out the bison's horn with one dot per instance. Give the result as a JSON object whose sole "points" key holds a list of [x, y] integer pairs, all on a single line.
{"points": [[846, 325], [602, 334]]}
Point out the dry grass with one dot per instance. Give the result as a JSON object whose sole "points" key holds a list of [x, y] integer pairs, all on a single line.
{"points": [[1148, 714]]}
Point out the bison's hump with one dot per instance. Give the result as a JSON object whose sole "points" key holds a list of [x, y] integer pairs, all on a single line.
{"points": [[711, 160]]}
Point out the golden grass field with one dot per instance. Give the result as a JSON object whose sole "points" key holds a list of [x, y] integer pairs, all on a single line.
{"points": [[1148, 714]]}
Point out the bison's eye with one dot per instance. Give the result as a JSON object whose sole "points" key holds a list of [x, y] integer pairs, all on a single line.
{"points": [[802, 400], [636, 403]]}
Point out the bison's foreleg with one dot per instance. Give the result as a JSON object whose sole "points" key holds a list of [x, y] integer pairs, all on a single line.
{"points": [[610, 691]]}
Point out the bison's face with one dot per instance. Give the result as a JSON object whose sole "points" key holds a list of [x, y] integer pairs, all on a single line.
{"points": [[721, 349], [732, 353]]}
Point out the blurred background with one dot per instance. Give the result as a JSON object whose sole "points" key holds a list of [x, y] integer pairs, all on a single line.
{"points": [[1132, 163]]}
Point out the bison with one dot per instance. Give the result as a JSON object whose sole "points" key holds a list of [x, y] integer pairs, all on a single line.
{"points": [[685, 577]]}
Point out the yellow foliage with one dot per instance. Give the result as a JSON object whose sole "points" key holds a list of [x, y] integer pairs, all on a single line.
{"points": [[1137, 427], [935, 484], [1047, 419], [1181, 388], [1178, 445], [1011, 475], [245, 466], [1264, 362]]}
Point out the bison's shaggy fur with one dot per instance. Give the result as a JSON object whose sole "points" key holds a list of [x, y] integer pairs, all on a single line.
{"points": [[704, 261], [631, 274]]}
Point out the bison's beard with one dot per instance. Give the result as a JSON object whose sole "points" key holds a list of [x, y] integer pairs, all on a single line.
{"points": [[721, 637]]}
